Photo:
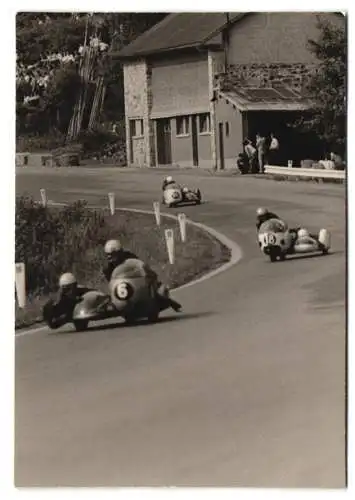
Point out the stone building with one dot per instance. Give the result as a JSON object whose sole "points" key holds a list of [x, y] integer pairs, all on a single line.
{"points": [[197, 84]]}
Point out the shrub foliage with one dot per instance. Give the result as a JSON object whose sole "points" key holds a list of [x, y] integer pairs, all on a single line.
{"points": [[50, 242]]}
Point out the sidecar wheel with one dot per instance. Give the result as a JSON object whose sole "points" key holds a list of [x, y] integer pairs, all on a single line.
{"points": [[81, 324]]}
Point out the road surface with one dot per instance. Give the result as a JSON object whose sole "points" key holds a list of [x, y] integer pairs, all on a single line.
{"points": [[245, 388]]}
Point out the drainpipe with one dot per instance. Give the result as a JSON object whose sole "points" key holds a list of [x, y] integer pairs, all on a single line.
{"points": [[212, 105], [214, 128], [226, 42]]}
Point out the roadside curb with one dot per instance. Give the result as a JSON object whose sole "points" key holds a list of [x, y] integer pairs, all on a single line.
{"points": [[233, 247]]}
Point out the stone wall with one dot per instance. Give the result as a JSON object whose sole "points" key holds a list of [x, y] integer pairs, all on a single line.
{"points": [[138, 102], [150, 123], [265, 75]]}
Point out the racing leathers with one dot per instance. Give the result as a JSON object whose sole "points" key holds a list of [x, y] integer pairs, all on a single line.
{"points": [[167, 183], [60, 311], [119, 259], [263, 218]]}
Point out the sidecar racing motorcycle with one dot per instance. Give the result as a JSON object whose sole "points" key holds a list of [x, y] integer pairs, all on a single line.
{"points": [[277, 241], [175, 195], [132, 296]]}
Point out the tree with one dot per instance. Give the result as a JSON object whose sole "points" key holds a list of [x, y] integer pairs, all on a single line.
{"points": [[327, 86], [40, 34]]}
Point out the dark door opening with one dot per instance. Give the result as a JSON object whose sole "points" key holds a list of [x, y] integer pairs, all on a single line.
{"points": [[294, 144], [164, 141], [221, 145], [194, 140]]}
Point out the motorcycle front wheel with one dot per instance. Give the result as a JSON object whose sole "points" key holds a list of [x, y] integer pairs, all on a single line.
{"points": [[274, 254]]}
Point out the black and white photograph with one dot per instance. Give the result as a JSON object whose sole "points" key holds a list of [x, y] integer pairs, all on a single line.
{"points": [[181, 249]]}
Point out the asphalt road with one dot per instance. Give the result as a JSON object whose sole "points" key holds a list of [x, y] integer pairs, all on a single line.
{"points": [[245, 388]]}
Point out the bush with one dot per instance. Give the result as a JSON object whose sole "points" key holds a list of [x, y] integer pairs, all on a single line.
{"points": [[38, 143], [52, 241], [59, 240]]}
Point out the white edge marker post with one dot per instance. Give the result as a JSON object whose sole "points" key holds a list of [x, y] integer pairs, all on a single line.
{"points": [[111, 199], [20, 283], [182, 224], [290, 163], [156, 206], [169, 238], [43, 197]]}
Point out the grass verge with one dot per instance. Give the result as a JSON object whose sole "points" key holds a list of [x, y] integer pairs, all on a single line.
{"points": [[51, 241]]}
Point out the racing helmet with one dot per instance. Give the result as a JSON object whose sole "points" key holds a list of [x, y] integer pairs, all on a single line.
{"points": [[302, 233], [112, 246], [67, 279], [185, 189], [261, 211], [169, 179]]}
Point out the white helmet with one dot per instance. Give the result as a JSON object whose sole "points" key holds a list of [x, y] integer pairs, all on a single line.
{"points": [[169, 179], [67, 279], [185, 189], [112, 246], [261, 211], [302, 233]]}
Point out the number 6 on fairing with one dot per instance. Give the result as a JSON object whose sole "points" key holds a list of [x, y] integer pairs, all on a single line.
{"points": [[122, 290]]}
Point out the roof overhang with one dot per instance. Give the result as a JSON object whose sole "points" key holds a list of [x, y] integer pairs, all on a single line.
{"points": [[168, 113], [266, 99], [167, 50]]}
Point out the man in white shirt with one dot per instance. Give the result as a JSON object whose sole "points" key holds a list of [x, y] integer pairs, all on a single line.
{"points": [[273, 150]]}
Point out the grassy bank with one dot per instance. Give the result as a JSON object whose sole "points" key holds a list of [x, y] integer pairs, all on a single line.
{"points": [[52, 241]]}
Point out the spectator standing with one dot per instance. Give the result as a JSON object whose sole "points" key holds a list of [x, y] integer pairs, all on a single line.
{"points": [[261, 148], [274, 148], [250, 152]]}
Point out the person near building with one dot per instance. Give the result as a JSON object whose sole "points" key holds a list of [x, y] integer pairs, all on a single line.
{"points": [[274, 148], [250, 152], [261, 148]]}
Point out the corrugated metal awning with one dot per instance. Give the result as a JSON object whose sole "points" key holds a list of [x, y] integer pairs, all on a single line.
{"points": [[277, 98]]}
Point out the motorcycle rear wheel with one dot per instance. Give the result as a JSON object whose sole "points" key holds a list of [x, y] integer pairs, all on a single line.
{"points": [[81, 324], [153, 317]]}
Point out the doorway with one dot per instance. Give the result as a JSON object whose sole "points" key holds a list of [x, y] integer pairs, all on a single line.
{"points": [[194, 140], [164, 141], [221, 145]]}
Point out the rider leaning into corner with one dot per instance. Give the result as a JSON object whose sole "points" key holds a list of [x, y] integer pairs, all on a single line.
{"points": [[300, 234], [60, 311], [262, 215], [168, 181], [116, 255]]}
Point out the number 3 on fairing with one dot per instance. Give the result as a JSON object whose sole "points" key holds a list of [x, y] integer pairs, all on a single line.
{"points": [[122, 290]]}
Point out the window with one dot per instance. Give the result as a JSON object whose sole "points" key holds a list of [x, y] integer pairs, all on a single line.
{"points": [[204, 121], [182, 125], [227, 129], [136, 128]]}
